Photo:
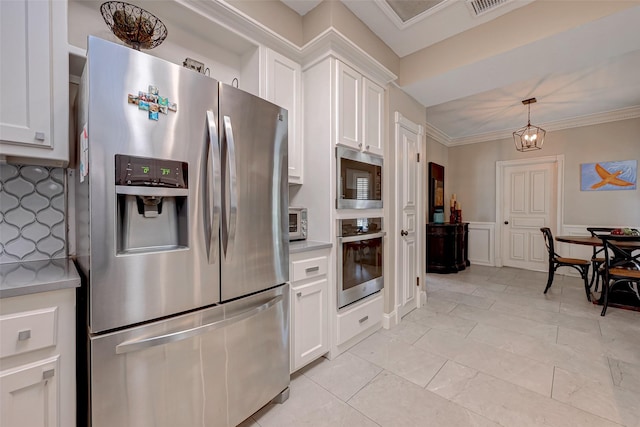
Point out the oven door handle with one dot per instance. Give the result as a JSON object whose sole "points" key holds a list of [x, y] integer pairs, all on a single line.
{"points": [[136, 345], [361, 237]]}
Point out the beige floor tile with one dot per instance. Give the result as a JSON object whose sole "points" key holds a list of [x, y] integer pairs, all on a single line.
{"points": [[407, 361], [342, 376], [310, 405], [508, 322], [601, 398], [408, 332], [542, 351], [616, 347], [392, 401], [441, 321], [466, 299], [625, 375], [506, 403], [523, 371], [537, 301], [439, 305], [579, 323]]}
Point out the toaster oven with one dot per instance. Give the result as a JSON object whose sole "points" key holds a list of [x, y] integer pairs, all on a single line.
{"points": [[297, 224]]}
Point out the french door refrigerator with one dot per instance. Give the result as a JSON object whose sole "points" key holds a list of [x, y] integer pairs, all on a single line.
{"points": [[181, 212]]}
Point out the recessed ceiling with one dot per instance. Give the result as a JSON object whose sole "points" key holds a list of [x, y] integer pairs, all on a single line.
{"points": [[579, 76], [408, 9]]}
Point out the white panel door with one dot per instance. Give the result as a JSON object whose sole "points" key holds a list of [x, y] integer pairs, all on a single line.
{"points": [[348, 98], [528, 204], [373, 117], [407, 182]]}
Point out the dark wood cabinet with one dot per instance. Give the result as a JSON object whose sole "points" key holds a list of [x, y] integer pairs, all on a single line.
{"points": [[447, 247]]}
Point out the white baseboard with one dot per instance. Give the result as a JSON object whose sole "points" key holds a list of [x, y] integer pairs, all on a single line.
{"points": [[389, 320]]}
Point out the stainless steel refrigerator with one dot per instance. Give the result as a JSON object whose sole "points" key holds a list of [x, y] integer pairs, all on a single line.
{"points": [[181, 212]]}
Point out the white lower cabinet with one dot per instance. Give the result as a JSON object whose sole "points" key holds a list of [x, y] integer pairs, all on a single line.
{"points": [[360, 318], [37, 360], [30, 395], [309, 309]]}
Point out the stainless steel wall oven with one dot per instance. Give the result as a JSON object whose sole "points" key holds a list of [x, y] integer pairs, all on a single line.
{"points": [[360, 259]]}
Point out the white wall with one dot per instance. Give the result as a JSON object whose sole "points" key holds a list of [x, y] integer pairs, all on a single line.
{"points": [[471, 173]]}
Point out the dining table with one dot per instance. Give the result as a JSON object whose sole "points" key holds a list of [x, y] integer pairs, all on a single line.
{"points": [[621, 299]]}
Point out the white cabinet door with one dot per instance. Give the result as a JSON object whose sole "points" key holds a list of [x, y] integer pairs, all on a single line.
{"points": [[373, 117], [29, 395], [25, 107], [348, 114], [33, 80], [309, 323], [359, 111], [284, 78]]}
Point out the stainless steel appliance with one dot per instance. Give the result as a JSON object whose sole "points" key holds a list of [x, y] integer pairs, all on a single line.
{"points": [[360, 259], [181, 211], [297, 224], [359, 180]]}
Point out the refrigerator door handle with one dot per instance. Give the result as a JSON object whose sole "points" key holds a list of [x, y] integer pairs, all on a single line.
{"points": [[142, 344], [214, 200], [233, 190]]}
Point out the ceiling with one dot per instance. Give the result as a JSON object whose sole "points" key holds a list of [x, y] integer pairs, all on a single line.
{"points": [[586, 75]]}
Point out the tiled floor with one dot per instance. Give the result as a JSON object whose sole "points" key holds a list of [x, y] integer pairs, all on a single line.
{"points": [[488, 349]]}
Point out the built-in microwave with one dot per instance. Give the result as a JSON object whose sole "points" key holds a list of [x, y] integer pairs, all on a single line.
{"points": [[297, 224], [359, 180]]}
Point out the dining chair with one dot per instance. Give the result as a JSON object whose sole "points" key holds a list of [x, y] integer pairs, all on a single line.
{"points": [[555, 261], [621, 266], [597, 261]]}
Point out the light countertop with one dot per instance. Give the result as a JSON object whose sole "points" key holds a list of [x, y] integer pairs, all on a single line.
{"points": [[307, 245], [30, 277]]}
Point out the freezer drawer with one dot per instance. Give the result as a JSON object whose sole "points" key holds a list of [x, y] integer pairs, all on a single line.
{"points": [[214, 367]]}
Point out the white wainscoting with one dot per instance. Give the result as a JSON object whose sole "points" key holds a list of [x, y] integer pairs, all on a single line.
{"points": [[569, 250], [482, 243]]}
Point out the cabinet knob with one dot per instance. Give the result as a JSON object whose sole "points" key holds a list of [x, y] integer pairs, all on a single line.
{"points": [[24, 335], [40, 136], [299, 294], [360, 145], [404, 233], [48, 374], [312, 269], [506, 222], [368, 146]]}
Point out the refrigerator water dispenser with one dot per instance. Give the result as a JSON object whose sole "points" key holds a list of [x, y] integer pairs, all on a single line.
{"points": [[152, 205]]}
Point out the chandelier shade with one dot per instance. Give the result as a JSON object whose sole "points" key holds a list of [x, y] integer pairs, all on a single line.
{"points": [[529, 137]]}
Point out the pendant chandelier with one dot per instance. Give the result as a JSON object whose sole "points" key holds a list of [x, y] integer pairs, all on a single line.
{"points": [[529, 137]]}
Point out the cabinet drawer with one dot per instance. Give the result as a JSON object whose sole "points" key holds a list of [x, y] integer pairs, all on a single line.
{"points": [[308, 268], [359, 319], [27, 331]]}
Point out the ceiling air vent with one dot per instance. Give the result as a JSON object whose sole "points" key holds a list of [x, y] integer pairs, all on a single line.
{"points": [[480, 7]]}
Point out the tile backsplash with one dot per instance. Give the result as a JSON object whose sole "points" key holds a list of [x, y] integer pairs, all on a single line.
{"points": [[32, 213]]}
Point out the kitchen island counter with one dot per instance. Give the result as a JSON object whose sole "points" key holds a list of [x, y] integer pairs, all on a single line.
{"points": [[30, 277]]}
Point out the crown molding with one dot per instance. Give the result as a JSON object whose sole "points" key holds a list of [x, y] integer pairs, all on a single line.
{"points": [[588, 120], [332, 42], [437, 135]]}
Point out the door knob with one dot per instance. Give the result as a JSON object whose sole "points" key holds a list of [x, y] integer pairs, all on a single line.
{"points": [[506, 222], [404, 233]]}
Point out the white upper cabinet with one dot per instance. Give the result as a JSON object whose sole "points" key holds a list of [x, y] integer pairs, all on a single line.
{"points": [[33, 81], [359, 111], [373, 117], [283, 87]]}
